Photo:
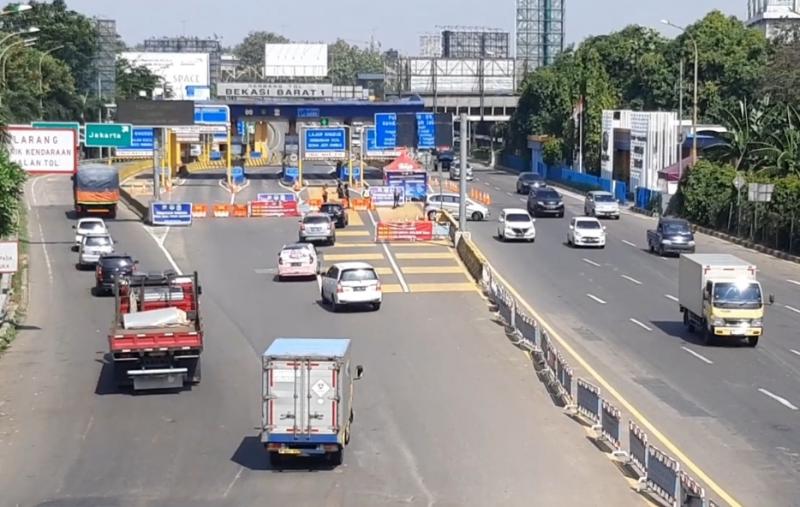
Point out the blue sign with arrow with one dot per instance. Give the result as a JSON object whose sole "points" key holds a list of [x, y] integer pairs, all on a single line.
{"points": [[211, 115], [385, 131]]}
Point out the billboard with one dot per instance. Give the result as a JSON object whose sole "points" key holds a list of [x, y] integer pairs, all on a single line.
{"points": [[156, 113], [295, 60], [461, 76], [39, 150], [179, 70], [276, 90]]}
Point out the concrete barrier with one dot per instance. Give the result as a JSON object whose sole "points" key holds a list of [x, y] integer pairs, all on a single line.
{"points": [[139, 208], [471, 256]]}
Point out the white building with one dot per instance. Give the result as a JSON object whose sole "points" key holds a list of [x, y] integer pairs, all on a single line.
{"points": [[773, 16]]}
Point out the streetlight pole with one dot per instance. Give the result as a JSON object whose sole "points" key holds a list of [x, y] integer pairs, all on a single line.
{"points": [[680, 122], [41, 78], [26, 42], [696, 72]]}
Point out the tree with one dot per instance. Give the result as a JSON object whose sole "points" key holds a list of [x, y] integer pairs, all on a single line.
{"points": [[781, 76], [62, 27], [747, 128], [133, 79], [12, 179], [553, 152], [251, 50], [346, 61], [708, 192]]}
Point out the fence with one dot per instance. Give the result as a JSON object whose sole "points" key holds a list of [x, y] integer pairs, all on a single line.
{"points": [[585, 181], [658, 473], [515, 162], [755, 223]]}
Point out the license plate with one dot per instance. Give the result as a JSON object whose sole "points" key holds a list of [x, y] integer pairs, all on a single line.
{"points": [[294, 452], [359, 288], [297, 264]]}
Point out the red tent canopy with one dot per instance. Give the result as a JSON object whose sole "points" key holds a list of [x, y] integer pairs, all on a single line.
{"points": [[403, 164]]}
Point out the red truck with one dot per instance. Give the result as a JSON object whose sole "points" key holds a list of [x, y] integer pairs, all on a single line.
{"points": [[157, 335]]}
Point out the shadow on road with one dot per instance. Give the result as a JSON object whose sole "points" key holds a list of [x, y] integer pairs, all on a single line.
{"points": [[251, 455]]}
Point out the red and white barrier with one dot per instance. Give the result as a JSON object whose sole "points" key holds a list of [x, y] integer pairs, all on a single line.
{"points": [[404, 231]]}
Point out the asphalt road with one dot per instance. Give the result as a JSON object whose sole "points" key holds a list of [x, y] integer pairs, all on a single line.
{"points": [[731, 409], [448, 412]]}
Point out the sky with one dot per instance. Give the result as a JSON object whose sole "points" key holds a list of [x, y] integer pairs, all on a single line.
{"points": [[398, 25]]}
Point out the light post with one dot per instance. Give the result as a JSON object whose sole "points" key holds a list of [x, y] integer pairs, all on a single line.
{"points": [[30, 30], [696, 65], [15, 9], [41, 78], [25, 42]]}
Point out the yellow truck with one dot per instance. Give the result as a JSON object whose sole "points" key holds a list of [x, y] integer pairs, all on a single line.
{"points": [[720, 296]]}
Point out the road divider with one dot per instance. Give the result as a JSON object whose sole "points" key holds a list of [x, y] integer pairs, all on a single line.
{"points": [[658, 473]]}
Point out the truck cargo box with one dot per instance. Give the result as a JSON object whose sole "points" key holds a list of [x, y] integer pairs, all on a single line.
{"points": [[695, 269]]}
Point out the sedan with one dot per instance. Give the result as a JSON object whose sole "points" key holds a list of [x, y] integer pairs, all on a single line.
{"points": [[88, 226], [93, 246], [601, 204], [586, 231], [337, 213], [351, 283], [529, 181], [516, 224], [298, 260]]}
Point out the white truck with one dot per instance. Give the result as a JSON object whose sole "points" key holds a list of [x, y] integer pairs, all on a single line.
{"points": [[307, 398], [720, 296]]}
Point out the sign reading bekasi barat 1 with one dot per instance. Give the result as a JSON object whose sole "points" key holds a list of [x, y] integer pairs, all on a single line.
{"points": [[43, 150], [9, 256], [276, 90]]}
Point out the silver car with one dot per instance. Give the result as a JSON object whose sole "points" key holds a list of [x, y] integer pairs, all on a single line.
{"points": [[601, 204], [455, 171], [317, 227], [92, 247]]}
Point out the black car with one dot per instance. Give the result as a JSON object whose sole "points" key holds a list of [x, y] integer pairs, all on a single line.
{"points": [[545, 201], [337, 213], [528, 181], [111, 267]]}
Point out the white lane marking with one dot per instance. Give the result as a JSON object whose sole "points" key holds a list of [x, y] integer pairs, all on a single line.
{"points": [[236, 478], [44, 248], [509, 194], [698, 356], [595, 298], [88, 428], [795, 282], [669, 296], [233, 197], [782, 401], [589, 261], [641, 324], [795, 352], [160, 243], [523, 200], [629, 243], [630, 279], [487, 183], [792, 308], [396, 268]]}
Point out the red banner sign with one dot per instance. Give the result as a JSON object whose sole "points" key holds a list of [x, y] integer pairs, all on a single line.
{"points": [[260, 209], [405, 231]]}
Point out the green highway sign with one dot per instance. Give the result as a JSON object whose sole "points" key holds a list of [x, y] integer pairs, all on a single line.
{"points": [[56, 125], [108, 135]]}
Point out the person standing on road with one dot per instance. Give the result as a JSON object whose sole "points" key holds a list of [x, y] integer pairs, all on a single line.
{"points": [[396, 196], [324, 194], [339, 191], [346, 195]]}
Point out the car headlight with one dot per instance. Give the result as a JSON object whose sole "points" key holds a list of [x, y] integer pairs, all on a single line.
{"points": [[757, 323], [690, 243], [666, 241], [540, 203], [716, 321]]}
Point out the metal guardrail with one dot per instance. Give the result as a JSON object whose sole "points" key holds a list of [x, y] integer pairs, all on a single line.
{"points": [[658, 472]]}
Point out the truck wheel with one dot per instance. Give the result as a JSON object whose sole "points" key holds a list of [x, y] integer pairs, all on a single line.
{"points": [[275, 460], [336, 458], [347, 435], [112, 213], [650, 247], [752, 341], [121, 378], [195, 373], [708, 336]]}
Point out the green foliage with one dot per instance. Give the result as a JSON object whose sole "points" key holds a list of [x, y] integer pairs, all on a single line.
{"points": [[781, 76], [346, 61], [708, 192], [131, 80], [553, 152], [12, 179], [251, 50]]}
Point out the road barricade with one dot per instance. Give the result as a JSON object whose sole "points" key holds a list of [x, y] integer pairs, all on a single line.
{"points": [[663, 476], [692, 493], [222, 210], [364, 204], [239, 211], [262, 209], [199, 210], [589, 402], [564, 376], [610, 417], [314, 204], [637, 449], [404, 231]]}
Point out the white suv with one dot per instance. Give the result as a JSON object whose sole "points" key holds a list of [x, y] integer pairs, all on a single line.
{"points": [[516, 223], [449, 202], [586, 231], [351, 283], [92, 247], [600, 204]]}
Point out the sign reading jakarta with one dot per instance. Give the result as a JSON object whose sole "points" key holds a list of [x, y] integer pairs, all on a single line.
{"points": [[43, 150], [179, 70], [276, 90]]}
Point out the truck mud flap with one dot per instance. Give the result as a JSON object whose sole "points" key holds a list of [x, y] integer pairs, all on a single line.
{"points": [[167, 378]]}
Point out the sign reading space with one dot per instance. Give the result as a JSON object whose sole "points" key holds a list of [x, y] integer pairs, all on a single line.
{"points": [[43, 150]]}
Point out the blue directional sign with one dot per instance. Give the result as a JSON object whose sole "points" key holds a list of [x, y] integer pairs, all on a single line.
{"points": [[171, 213], [385, 131], [141, 142], [308, 112], [371, 142], [426, 131], [325, 140], [211, 115]]}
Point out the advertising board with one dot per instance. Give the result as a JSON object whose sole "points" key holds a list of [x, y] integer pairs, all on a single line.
{"points": [[39, 150], [179, 70], [295, 60], [383, 196]]}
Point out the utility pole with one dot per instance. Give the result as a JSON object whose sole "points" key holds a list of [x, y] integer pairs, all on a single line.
{"points": [[157, 163], [462, 190], [680, 122]]}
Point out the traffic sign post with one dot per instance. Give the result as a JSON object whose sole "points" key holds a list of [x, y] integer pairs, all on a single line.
{"points": [[108, 135], [385, 131], [426, 131], [171, 213]]}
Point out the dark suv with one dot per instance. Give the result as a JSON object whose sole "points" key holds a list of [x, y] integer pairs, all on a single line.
{"points": [[337, 213], [528, 181], [545, 201], [109, 268]]}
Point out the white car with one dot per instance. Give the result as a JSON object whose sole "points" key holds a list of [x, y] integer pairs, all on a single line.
{"points": [[586, 231], [515, 223], [317, 227], [601, 204], [88, 226], [92, 247], [449, 202], [455, 171], [351, 283], [298, 260]]}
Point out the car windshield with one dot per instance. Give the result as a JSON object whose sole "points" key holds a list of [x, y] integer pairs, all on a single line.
{"points": [[518, 217], [116, 262], [295, 247], [530, 177], [316, 220], [330, 208], [91, 226], [587, 224], [548, 194], [737, 295], [358, 275], [604, 198], [676, 228], [98, 241]]}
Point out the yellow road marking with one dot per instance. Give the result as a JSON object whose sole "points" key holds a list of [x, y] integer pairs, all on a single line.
{"points": [[431, 270], [354, 218], [443, 287], [340, 244], [417, 243], [348, 234], [384, 271], [424, 255], [673, 448], [391, 288], [352, 257]]}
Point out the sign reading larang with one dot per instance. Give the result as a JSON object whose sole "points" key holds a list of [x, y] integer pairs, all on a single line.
{"points": [[276, 90], [43, 150]]}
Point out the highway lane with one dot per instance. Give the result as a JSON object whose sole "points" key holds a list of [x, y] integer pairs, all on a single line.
{"points": [[448, 413], [614, 305]]}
